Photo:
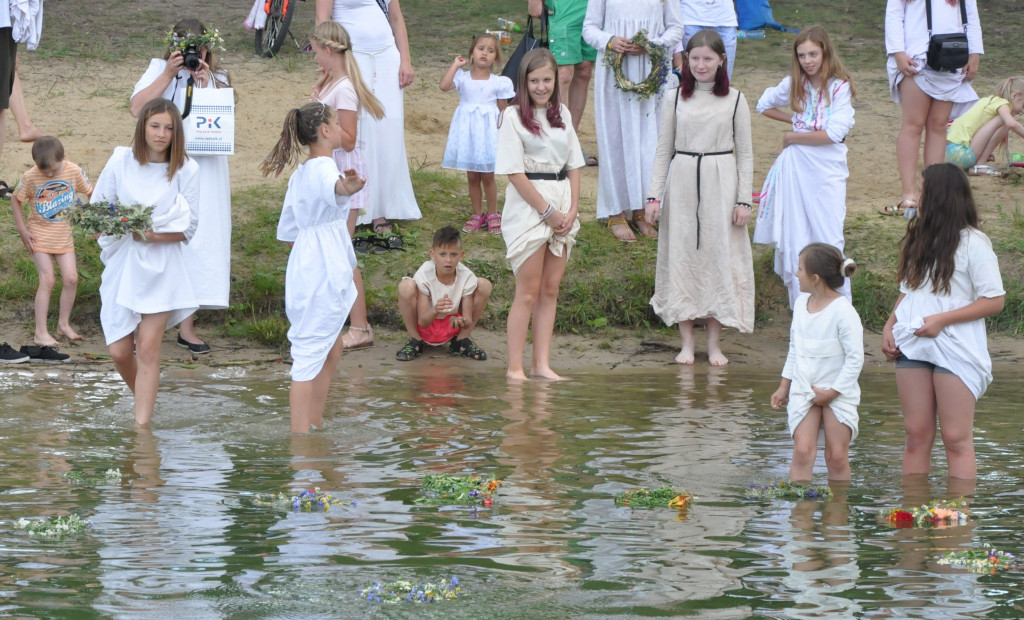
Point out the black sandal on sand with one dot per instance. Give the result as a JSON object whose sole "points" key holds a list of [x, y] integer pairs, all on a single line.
{"points": [[467, 348], [411, 350]]}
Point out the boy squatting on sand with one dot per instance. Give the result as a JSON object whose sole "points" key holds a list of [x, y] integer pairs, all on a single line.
{"points": [[443, 301]]}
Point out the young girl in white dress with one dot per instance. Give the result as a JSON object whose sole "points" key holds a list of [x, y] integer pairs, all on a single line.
{"points": [[826, 354], [539, 151], [342, 88], [949, 282], [146, 287], [473, 134], [319, 289], [208, 254], [804, 195]]}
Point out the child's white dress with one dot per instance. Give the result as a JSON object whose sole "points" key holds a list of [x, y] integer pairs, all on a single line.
{"points": [[962, 347], [826, 350], [473, 134], [140, 277], [341, 95], [319, 290], [803, 200]]}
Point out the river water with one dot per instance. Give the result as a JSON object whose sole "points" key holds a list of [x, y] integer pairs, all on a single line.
{"points": [[180, 536]]}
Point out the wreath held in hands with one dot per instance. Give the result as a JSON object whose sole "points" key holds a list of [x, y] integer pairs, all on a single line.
{"points": [[658, 57]]}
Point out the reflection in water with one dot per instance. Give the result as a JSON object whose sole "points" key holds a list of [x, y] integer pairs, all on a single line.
{"points": [[178, 536]]}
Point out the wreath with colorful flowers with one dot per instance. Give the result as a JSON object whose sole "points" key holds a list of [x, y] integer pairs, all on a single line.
{"points": [[211, 40], [657, 77]]}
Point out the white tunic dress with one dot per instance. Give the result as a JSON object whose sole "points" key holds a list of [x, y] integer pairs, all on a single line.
{"points": [[803, 200], [906, 30], [141, 277], [473, 134], [208, 255], [521, 151], [382, 142], [627, 126], [962, 347], [319, 290], [341, 95], [826, 350]]}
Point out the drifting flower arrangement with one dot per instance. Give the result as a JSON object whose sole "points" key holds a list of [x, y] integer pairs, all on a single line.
{"points": [[658, 57], [445, 490], [938, 513], [109, 218], [788, 490], [83, 478], [211, 40], [987, 560], [306, 501], [57, 527], [654, 498], [409, 592]]}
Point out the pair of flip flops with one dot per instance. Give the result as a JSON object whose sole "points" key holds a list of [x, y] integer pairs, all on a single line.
{"points": [[372, 244], [5, 190]]}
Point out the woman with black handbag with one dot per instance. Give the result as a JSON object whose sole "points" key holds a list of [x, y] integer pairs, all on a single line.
{"points": [[925, 42]]}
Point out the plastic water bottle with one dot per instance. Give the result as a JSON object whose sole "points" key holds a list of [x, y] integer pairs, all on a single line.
{"points": [[503, 36], [508, 24], [750, 34]]}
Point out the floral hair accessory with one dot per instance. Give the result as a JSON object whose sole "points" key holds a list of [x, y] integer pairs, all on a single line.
{"points": [[937, 513], [987, 560], [409, 592], [650, 86], [654, 498], [788, 490], [211, 41], [56, 527]]}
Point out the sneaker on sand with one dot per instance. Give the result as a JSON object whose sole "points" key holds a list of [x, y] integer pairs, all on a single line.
{"points": [[45, 355], [9, 356]]}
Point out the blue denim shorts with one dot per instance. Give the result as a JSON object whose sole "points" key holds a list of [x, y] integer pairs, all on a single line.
{"points": [[960, 155], [903, 362]]}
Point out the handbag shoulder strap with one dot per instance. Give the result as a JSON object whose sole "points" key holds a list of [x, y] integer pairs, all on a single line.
{"points": [[383, 4], [963, 14]]}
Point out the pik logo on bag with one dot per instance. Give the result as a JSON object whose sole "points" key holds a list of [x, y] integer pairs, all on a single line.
{"points": [[211, 122]]}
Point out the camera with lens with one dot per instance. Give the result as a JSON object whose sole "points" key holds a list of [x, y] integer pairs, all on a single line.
{"points": [[191, 57]]}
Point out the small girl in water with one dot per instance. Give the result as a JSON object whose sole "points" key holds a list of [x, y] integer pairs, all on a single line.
{"points": [[826, 353]]}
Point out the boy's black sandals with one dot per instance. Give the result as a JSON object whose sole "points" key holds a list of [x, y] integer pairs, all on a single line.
{"points": [[467, 348], [411, 350], [45, 355]]}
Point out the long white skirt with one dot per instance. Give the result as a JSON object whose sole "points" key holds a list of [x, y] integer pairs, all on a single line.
{"points": [[208, 255]]}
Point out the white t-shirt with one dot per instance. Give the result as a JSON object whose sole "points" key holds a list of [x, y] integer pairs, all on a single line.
{"points": [[708, 12], [5, 15], [428, 284]]}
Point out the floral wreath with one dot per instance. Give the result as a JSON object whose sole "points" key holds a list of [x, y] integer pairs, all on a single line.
{"points": [[211, 40], [655, 79]]}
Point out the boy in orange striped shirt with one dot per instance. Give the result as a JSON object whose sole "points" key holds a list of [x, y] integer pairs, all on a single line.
{"points": [[50, 188]]}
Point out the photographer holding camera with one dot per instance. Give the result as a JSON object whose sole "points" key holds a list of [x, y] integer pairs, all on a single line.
{"points": [[190, 63]]}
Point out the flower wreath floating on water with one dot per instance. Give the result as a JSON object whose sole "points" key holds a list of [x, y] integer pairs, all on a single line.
{"points": [[655, 498], [443, 489], [56, 527], [937, 513], [987, 560], [211, 40], [109, 218], [306, 501], [788, 490], [80, 477], [410, 592], [658, 57]]}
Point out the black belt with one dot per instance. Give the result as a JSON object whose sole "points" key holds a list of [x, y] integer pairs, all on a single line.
{"points": [[548, 176], [699, 157]]}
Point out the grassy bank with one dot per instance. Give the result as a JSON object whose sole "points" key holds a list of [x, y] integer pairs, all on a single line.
{"points": [[608, 284]]}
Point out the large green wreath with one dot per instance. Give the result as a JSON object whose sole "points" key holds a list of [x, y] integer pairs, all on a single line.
{"points": [[655, 79]]}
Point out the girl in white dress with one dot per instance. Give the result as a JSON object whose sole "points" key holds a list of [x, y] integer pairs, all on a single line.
{"points": [[539, 151], [804, 195], [380, 42], [342, 88], [146, 286], [826, 354], [949, 282], [208, 255], [929, 98], [319, 289], [473, 135]]}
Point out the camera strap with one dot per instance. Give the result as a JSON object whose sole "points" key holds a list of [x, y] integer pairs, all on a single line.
{"points": [[188, 96], [963, 15]]}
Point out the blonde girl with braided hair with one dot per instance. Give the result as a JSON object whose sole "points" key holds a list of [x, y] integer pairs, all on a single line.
{"points": [[319, 289], [342, 88]]}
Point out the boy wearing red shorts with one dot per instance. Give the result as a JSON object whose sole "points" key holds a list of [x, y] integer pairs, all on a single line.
{"points": [[443, 301]]}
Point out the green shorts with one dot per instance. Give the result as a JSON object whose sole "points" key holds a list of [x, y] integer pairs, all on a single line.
{"points": [[565, 32]]}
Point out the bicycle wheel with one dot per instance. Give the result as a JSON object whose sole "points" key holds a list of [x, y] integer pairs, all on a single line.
{"points": [[269, 40]]}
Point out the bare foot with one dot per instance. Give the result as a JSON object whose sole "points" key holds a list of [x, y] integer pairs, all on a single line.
{"points": [[685, 356], [29, 134], [717, 358], [546, 373], [46, 340], [69, 333], [516, 376]]}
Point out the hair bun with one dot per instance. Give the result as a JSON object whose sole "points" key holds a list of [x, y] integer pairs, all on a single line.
{"points": [[848, 267]]}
